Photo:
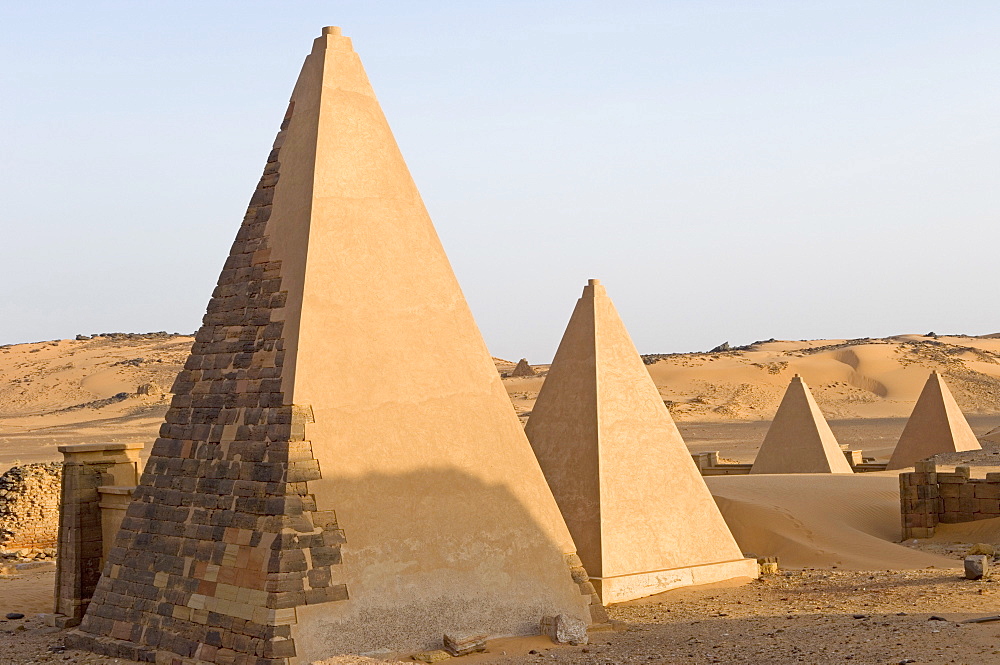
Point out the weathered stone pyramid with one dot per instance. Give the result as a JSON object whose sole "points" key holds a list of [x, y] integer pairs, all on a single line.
{"points": [[639, 510], [936, 425], [340, 469], [523, 369], [799, 439]]}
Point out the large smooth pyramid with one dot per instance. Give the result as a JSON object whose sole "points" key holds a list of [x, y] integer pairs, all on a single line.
{"points": [[936, 426], [799, 439], [639, 510], [341, 469]]}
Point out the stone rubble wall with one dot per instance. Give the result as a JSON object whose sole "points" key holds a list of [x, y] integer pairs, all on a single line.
{"points": [[928, 497], [29, 509]]}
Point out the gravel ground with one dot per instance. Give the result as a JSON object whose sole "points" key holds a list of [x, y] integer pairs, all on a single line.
{"points": [[811, 616]]}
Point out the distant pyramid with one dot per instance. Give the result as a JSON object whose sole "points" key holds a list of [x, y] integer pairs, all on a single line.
{"points": [[639, 510], [936, 426], [340, 470], [523, 369], [799, 439]]}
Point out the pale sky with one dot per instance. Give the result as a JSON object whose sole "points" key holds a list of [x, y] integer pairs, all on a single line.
{"points": [[731, 171]]}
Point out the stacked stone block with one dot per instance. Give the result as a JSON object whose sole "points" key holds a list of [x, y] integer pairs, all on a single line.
{"points": [[929, 497], [919, 500], [86, 467], [29, 506], [223, 541]]}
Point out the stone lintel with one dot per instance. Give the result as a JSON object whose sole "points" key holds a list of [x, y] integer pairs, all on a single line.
{"points": [[72, 450]]}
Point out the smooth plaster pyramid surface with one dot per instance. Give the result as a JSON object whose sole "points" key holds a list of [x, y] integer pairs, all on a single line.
{"points": [[637, 506], [341, 469], [799, 439], [937, 425]]}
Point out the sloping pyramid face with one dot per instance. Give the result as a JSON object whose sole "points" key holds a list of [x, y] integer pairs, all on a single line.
{"points": [[936, 426], [340, 469], [523, 369], [799, 439], [639, 510]]}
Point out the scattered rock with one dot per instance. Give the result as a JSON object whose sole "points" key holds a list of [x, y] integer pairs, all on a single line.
{"points": [[982, 548], [14, 616], [976, 566], [563, 629], [768, 565], [458, 644]]}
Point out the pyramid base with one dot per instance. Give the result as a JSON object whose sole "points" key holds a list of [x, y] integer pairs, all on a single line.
{"points": [[620, 588], [109, 646]]}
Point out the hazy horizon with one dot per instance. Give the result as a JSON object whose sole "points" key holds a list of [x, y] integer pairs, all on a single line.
{"points": [[730, 171]]}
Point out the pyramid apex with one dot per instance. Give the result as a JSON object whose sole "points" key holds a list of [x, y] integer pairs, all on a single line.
{"points": [[332, 39], [594, 288]]}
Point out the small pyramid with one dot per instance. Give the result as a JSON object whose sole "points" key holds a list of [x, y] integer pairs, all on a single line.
{"points": [[936, 425], [637, 506], [340, 470], [799, 439], [523, 369]]}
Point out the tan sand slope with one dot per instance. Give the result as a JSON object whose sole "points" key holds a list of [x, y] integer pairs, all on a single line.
{"points": [[819, 521], [82, 391], [863, 378], [874, 378], [981, 531]]}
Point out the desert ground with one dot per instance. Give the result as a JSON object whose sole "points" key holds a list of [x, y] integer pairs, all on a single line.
{"points": [[847, 591]]}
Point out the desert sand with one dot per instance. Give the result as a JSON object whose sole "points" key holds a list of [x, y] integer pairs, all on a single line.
{"points": [[835, 536], [64, 391], [84, 391]]}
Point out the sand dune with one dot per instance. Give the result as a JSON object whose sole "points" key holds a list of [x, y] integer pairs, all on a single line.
{"points": [[82, 391], [819, 521], [864, 378], [77, 391], [870, 378]]}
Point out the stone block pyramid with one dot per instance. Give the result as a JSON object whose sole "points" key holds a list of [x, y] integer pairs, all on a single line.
{"points": [[523, 369], [340, 470]]}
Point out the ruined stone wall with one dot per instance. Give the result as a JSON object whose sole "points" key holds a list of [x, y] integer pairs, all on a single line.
{"points": [[29, 509], [929, 497]]}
